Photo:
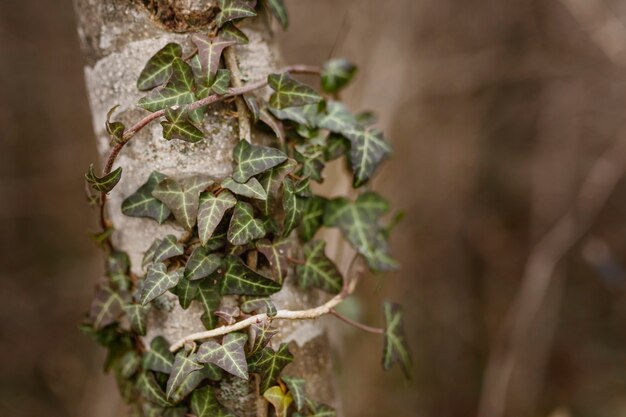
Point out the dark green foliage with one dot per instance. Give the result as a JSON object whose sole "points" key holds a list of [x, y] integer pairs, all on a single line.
{"points": [[208, 295], [229, 355], [205, 404], [231, 32], [396, 348], [269, 363], [244, 228], [178, 126], [289, 92], [271, 182], [211, 211], [105, 183], [251, 189], [280, 12], [138, 317], [336, 74], [233, 9], [158, 281], [159, 68], [114, 129], [209, 53], [106, 307], [251, 160], [186, 291], [167, 248], [276, 253], [318, 270], [313, 217], [182, 197], [296, 388], [142, 204], [259, 336], [293, 206], [178, 91], [158, 358], [184, 364], [241, 280], [201, 264]]}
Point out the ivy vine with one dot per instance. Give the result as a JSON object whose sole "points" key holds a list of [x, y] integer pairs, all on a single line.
{"points": [[246, 234]]}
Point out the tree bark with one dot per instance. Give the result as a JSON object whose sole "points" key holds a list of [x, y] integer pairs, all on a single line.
{"points": [[118, 37]]}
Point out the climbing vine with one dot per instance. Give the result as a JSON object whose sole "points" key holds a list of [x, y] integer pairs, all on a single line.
{"points": [[245, 234]]}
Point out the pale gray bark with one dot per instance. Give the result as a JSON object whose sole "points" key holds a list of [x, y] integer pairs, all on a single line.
{"points": [[118, 37]]}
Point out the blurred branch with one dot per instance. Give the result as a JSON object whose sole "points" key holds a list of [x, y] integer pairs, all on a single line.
{"points": [[538, 273]]}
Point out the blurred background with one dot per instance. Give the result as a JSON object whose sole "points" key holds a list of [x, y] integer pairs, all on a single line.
{"points": [[506, 118]]}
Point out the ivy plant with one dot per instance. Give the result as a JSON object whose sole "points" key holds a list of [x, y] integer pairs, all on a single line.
{"points": [[246, 234]]}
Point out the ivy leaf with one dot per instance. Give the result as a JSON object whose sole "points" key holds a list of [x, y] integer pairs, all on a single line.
{"points": [[296, 388], [244, 228], [221, 84], [105, 183], [158, 69], [117, 268], [148, 256], [289, 92], [254, 159], [114, 129], [313, 218], [293, 206], [209, 53], [228, 314], [337, 119], [178, 126], [241, 280], [211, 211], [177, 92], [233, 9], [142, 204], [208, 295], [318, 270], [138, 317], [204, 404], [184, 364], [107, 306], [271, 182], [201, 264], [258, 304], [182, 197], [306, 116], [396, 349], [359, 224], [280, 12], [186, 291], [336, 146], [260, 336], [269, 364], [276, 253], [229, 355], [336, 74], [367, 150], [251, 189], [168, 248], [312, 162], [150, 389], [158, 358], [230, 32], [193, 379], [279, 400], [158, 281]]}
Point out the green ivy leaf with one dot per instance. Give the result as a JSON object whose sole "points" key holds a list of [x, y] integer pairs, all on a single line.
{"points": [[138, 317], [233, 9], [296, 388], [241, 280], [201, 264], [318, 270], [178, 126], [271, 181], [204, 404], [117, 269], [396, 349], [251, 189], [106, 307], [276, 253], [114, 129], [313, 218], [367, 150], [129, 364], [142, 204], [184, 364], [209, 52], [259, 305], [158, 281], [337, 119], [186, 291], [244, 228], [306, 116], [336, 74], [280, 12], [289, 92], [148, 256], [168, 248], [269, 364], [182, 197], [221, 84], [208, 295], [158, 69], [211, 211], [193, 379], [293, 207], [260, 336], [229, 355], [158, 358], [105, 183], [359, 224], [150, 389], [230, 32], [177, 92], [251, 160], [311, 159], [336, 146], [280, 400]]}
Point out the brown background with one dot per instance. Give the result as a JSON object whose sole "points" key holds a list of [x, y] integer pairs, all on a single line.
{"points": [[496, 110]]}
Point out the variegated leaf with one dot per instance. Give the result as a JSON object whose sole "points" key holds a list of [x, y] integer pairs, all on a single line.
{"points": [[148, 256], [279, 399], [259, 336], [251, 189], [184, 364], [142, 204], [271, 181], [313, 218], [182, 197], [114, 129], [201, 264], [105, 183], [158, 281], [129, 364], [150, 389], [221, 83], [138, 317], [318, 270], [178, 126], [396, 349], [209, 296], [230, 32], [269, 364], [190, 382], [209, 52], [106, 307], [312, 160], [368, 148], [251, 160], [336, 74], [211, 211], [293, 207], [233, 9], [158, 358], [168, 248], [204, 404], [177, 92], [290, 93], [158, 69], [276, 253], [241, 280], [186, 291], [229, 355], [244, 228], [260, 305], [296, 388]]}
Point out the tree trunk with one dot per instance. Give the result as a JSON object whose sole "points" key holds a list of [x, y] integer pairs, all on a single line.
{"points": [[118, 37]]}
